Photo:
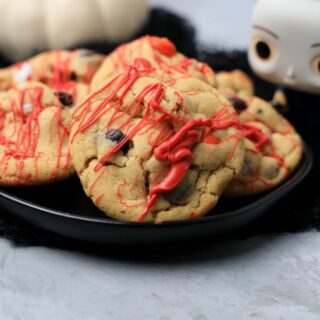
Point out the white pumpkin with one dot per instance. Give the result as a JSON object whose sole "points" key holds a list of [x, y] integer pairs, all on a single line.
{"points": [[30, 25]]}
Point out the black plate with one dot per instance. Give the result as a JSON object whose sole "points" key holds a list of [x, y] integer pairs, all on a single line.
{"points": [[64, 209]]}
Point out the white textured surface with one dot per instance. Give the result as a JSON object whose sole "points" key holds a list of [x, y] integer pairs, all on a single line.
{"points": [[275, 277]]}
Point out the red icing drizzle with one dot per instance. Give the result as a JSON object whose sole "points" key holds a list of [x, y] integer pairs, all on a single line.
{"points": [[122, 199], [192, 215], [22, 142], [177, 152], [163, 45], [263, 145], [56, 71], [172, 148], [122, 57], [256, 135]]}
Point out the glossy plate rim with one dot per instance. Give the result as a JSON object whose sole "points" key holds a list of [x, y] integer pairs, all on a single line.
{"points": [[295, 179]]}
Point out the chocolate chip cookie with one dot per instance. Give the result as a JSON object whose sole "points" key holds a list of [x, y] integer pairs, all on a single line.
{"points": [[34, 136], [145, 152], [273, 149], [235, 82], [66, 71], [166, 63]]}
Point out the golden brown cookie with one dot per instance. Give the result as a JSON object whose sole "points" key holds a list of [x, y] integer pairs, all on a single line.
{"points": [[273, 149], [235, 82], [34, 135], [144, 152], [167, 64], [66, 71]]}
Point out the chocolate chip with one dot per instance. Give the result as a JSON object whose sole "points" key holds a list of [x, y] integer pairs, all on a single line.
{"points": [[73, 76], [116, 136], [125, 148], [238, 103], [65, 98], [181, 194]]}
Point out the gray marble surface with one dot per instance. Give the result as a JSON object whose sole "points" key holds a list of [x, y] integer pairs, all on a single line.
{"points": [[274, 277]]}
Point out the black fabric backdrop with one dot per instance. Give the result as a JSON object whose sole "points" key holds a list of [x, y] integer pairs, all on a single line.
{"points": [[298, 211]]}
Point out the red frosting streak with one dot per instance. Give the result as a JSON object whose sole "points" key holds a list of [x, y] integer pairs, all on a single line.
{"points": [[56, 70], [99, 198], [122, 185], [209, 138], [261, 141], [251, 183], [163, 45], [256, 135], [205, 70], [96, 179], [238, 137], [173, 148], [192, 215], [177, 152], [264, 146], [22, 143]]}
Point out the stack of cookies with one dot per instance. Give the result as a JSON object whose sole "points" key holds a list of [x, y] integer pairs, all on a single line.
{"points": [[152, 134]]}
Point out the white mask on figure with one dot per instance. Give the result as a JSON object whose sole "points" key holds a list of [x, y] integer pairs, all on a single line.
{"points": [[285, 43]]}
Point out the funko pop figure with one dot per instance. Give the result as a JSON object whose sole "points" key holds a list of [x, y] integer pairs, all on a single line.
{"points": [[285, 50], [285, 43]]}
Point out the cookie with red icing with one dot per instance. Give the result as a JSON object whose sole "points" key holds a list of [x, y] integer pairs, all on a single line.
{"points": [[5, 79], [145, 152], [235, 82], [65, 71], [167, 64], [34, 136], [273, 149]]}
